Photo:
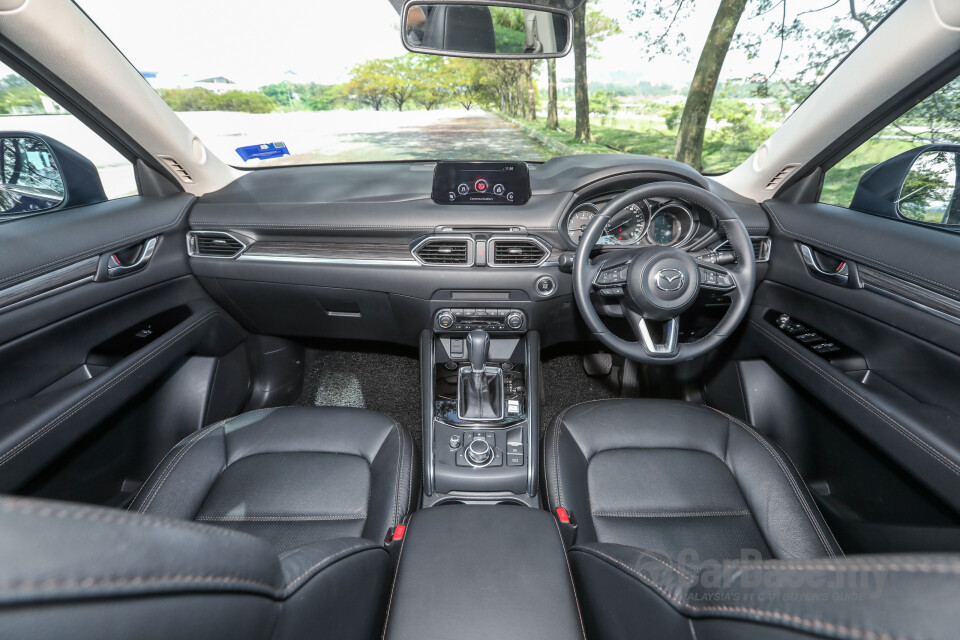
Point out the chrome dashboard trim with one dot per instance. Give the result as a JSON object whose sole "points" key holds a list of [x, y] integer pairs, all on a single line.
{"points": [[335, 261]]}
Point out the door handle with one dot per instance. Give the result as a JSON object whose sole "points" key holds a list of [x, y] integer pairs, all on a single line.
{"points": [[839, 275], [117, 267]]}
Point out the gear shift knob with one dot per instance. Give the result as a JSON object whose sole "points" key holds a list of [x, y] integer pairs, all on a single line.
{"points": [[478, 346]]}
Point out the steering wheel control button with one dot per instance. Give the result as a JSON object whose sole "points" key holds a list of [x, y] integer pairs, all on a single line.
{"points": [[611, 291], [612, 276], [711, 279], [481, 186], [545, 286]]}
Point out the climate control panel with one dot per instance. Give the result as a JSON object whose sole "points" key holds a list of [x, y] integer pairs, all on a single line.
{"points": [[496, 320]]}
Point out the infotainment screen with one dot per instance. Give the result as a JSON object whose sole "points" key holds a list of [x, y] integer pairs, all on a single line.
{"points": [[505, 183]]}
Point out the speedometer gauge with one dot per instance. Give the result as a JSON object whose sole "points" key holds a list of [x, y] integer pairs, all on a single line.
{"points": [[579, 220], [632, 223]]}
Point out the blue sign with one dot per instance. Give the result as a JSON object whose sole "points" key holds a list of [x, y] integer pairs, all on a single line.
{"points": [[263, 151]]}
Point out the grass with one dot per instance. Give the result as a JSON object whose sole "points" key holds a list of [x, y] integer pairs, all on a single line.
{"points": [[721, 153], [842, 179]]}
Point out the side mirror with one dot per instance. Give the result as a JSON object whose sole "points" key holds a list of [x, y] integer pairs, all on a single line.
{"points": [[483, 29], [39, 174], [920, 184]]}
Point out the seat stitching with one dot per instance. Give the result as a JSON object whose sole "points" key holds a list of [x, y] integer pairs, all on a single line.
{"points": [[54, 423], [200, 435], [94, 582], [155, 491], [112, 243], [46, 510], [810, 623], [922, 444], [393, 586], [670, 514], [573, 586], [320, 518], [812, 501], [342, 552], [396, 500], [556, 445], [783, 468], [171, 454]]}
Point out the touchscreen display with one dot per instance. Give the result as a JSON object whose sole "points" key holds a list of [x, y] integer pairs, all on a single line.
{"points": [[505, 183]]}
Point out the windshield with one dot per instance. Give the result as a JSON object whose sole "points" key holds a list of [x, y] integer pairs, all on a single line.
{"points": [[704, 82]]}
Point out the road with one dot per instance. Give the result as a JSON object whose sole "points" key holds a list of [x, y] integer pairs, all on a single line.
{"points": [[312, 137], [358, 136]]}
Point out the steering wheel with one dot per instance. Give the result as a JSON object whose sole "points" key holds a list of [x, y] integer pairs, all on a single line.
{"points": [[655, 284]]}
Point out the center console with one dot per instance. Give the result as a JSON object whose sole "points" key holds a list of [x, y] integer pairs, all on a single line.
{"points": [[482, 572], [480, 372]]}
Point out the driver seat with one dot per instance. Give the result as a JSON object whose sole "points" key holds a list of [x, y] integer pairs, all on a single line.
{"points": [[684, 481]]}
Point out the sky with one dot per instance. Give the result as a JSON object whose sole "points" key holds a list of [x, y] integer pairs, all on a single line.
{"points": [[320, 41]]}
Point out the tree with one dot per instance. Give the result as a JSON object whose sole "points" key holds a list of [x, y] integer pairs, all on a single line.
{"points": [[581, 97], [693, 121], [367, 83], [553, 121], [590, 27], [17, 93], [401, 79], [777, 21]]}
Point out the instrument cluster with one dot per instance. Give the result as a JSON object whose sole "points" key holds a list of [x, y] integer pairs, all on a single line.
{"points": [[668, 223]]}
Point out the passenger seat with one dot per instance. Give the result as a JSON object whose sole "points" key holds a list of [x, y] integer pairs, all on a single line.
{"points": [[294, 476]]}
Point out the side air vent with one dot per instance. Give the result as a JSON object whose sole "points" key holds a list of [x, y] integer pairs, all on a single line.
{"points": [[516, 252], [174, 165], [445, 252], [214, 244], [780, 177], [761, 249]]}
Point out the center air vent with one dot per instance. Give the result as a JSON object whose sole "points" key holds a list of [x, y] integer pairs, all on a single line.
{"points": [[214, 244], [440, 251], [516, 252]]}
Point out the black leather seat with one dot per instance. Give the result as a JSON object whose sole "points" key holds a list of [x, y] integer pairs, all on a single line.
{"points": [[294, 476], [85, 573], [685, 481]]}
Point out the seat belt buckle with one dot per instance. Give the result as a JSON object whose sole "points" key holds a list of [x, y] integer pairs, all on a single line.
{"points": [[393, 541], [568, 526]]}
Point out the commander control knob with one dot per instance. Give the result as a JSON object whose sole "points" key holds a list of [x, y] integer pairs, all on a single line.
{"points": [[514, 319], [446, 320], [479, 452]]}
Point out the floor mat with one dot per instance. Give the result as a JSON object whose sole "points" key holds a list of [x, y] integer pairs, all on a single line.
{"points": [[387, 383], [566, 384]]}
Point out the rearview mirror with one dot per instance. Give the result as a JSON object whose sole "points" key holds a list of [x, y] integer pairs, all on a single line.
{"points": [[486, 30]]}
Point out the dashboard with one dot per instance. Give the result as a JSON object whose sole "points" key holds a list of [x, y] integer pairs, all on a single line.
{"points": [[364, 251]]}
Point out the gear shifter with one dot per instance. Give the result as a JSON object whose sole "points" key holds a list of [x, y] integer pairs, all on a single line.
{"points": [[480, 393], [478, 346]]}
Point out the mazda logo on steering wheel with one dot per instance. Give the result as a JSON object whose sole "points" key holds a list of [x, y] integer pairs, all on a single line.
{"points": [[670, 279]]}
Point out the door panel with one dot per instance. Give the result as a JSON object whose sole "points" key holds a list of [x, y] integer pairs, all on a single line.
{"points": [[88, 342], [892, 375]]}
